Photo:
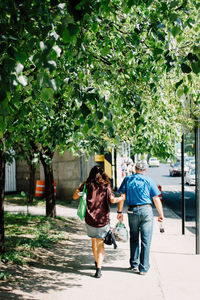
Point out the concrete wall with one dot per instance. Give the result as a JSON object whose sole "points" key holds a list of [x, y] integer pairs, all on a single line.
{"points": [[69, 172], [22, 176]]}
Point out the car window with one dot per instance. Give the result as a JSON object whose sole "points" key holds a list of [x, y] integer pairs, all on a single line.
{"points": [[177, 164]]}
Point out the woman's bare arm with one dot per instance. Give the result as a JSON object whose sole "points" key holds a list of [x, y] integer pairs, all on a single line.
{"points": [[117, 199]]}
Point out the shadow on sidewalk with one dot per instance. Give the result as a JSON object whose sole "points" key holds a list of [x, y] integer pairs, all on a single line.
{"points": [[58, 268]]}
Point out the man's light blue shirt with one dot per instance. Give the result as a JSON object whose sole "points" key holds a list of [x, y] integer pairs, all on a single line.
{"points": [[139, 189]]}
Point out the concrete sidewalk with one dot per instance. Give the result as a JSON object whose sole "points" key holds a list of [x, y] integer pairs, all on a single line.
{"points": [[174, 272]]}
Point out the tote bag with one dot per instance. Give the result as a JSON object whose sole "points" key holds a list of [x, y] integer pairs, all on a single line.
{"points": [[82, 204]]}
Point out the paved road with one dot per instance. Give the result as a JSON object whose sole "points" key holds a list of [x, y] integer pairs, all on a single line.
{"points": [[171, 187], [161, 175]]}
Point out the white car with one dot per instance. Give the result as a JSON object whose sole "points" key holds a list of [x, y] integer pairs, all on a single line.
{"points": [[190, 177], [154, 162], [192, 164]]}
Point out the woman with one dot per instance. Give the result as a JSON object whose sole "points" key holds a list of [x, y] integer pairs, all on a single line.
{"points": [[97, 217]]}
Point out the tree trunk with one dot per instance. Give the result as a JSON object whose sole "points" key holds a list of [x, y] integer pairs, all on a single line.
{"points": [[49, 187], [49, 191], [32, 171], [2, 195]]}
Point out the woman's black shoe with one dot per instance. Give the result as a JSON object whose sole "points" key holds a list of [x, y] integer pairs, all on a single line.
{"points": [[98, 273]]}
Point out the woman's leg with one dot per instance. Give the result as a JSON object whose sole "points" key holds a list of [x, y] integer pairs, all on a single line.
{"points": [[94, 249], [100, 252]]}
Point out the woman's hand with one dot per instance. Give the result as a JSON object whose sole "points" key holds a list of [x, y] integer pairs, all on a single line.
{"points": [[76, 194]]}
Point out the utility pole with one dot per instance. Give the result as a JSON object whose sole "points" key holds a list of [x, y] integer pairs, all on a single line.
{"points": [[182, 185], [197, 186]]}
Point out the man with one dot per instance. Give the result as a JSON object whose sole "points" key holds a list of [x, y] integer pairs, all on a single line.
{"points": [[139, 191]]}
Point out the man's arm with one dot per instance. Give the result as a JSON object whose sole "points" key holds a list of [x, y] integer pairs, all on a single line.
{"points": [[120, 207], [158, 205]]}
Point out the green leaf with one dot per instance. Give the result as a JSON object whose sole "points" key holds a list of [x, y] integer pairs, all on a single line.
{"points": [[178, 83], [174, 4], [82, 120], [85, 110], [192, 57], [174, 17], [42, 79], [196, 49], [90, 123], [21, 57], [180, 92], [196, 67], [175, 31], [94, 26], [74, 29], [70, 33], [2, 125], [152, 86], [185, 68], [47, 94], [80, 75], [186, 89], [4, 104], [85, 129], [99, 114], [158, 51], [66, 36], [105, 50]]}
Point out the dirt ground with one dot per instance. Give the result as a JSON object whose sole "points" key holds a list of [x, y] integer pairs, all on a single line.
{"points": [[53, 268]]}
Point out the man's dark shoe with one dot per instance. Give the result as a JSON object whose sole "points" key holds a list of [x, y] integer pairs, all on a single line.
{"points": [[134, 269], [143, 273]]}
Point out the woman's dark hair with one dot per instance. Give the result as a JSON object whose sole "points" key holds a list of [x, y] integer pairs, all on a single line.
{"points": [[97, 177]]}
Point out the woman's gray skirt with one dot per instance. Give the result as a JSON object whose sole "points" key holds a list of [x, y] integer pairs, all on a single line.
{"points": [[97, 232]]}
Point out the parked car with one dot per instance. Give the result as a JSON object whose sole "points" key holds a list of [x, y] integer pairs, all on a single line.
{"points": [[154, 162], [190, 177], [191, 164], [175, 169], [186, 167]]}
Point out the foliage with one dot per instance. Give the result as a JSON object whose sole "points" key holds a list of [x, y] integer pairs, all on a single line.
{"points": [[4, 276], [88, 61]]}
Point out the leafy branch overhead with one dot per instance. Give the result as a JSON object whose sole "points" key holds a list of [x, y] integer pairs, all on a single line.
{"points": [[81, 71]]}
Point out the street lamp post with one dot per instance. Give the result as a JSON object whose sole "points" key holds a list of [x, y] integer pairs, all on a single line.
{"points": [[182, 185], [197, 186]]}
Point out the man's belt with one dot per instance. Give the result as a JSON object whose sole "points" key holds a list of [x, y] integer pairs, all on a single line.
{"points": [[132, 206]]}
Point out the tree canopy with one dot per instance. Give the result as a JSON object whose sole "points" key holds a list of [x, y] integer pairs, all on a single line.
{"points": [[103, 71]]}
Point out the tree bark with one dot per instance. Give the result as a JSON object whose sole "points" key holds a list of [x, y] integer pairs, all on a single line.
{"points": [[49, 186], [31, 189], [2, 195]]}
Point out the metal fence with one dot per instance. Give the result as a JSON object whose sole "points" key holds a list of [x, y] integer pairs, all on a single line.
{"points": [[10, 182]]}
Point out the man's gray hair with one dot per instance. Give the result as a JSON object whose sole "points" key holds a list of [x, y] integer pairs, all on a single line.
{"points": [[141, 165]]}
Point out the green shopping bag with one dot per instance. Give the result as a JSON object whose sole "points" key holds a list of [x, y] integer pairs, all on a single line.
{"points": [[82, 204]]}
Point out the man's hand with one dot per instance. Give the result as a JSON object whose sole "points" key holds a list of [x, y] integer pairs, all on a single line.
{"points": [[160, 218], [120, 217]]}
